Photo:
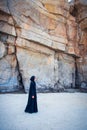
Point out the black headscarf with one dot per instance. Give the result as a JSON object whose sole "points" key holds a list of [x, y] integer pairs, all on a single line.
{"points": [[32, 78]]}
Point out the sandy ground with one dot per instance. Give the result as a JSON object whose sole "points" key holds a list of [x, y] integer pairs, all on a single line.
{"points": [[57, 111]]}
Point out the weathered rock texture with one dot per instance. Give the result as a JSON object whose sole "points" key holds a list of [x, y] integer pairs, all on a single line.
{"points": [[40, 38], [79, 9]]}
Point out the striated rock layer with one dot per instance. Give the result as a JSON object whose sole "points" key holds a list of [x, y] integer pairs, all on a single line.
{"points": [[39, 38]]}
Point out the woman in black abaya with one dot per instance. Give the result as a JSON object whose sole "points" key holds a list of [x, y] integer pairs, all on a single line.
{"points": [[32, 99]]}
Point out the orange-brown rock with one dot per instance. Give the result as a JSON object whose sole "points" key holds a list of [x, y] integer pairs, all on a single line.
{"points": [[79, 7], [43, 39]]}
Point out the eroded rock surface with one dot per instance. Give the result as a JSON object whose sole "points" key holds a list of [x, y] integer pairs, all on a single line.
{"points": [[39, 38], [79, 7]]}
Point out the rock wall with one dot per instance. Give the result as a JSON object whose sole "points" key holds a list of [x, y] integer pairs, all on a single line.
{"points": [[37, 38], [79, 10]]}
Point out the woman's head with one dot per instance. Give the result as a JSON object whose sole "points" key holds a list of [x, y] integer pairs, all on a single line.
{"points": [[32, 78]]}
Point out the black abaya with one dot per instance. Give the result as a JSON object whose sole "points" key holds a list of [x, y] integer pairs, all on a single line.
{"points": [[32, 102]]}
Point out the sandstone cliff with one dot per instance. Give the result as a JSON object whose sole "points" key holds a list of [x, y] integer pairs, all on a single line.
{"points": [[79, 10], [40, 37]]}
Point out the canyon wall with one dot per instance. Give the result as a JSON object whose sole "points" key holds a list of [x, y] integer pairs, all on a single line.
{"points": [[41, 38], [79, 10]]}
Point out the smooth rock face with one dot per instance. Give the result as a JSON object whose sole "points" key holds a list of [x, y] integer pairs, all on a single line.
{"points": [[42, 63], [8, 74], [36, 63], [66, 68], [82, 71], [39, 38]]}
